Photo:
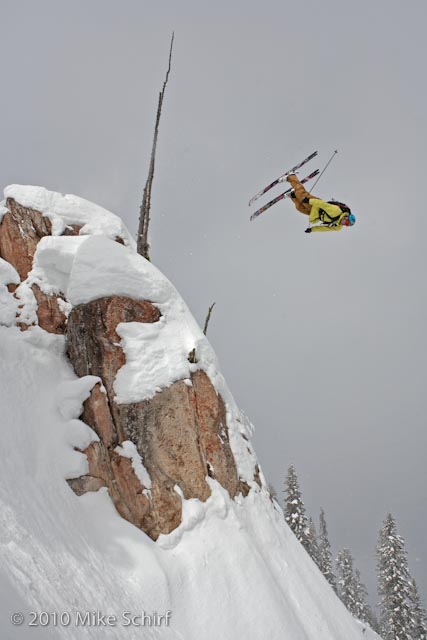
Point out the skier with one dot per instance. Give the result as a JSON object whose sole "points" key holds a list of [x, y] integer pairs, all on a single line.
{"points": [[333, 215]]}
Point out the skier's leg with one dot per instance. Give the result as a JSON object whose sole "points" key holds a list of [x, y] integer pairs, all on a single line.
{"points": [[299, 206], [299, 195]]}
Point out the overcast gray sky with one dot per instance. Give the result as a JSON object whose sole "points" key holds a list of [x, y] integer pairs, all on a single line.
{"points": [[321, 337]]}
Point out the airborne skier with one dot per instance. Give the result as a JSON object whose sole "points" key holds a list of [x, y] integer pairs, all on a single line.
{"points": [[332, 215], [322, 215]]}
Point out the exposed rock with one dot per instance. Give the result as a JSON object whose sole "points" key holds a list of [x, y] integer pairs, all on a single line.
{"points": [[116, 473], [257, 476], [181, 433], [20, 231], [96, 412], [84, 484], [93, 344], [213, 432], [51, 317], [72, 230]]}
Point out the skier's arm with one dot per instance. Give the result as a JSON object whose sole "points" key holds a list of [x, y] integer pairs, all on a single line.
{"points": [[324, 227]]}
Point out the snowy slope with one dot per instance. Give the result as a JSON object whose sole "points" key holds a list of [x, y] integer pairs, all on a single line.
{"points": [[232, 570]]}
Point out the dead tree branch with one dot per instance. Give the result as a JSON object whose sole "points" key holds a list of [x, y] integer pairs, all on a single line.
{"points": [[208, 317], [192, 355], [143, 246]]}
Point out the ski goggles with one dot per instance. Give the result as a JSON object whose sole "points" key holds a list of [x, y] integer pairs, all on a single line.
{"points": [[349, 221]]}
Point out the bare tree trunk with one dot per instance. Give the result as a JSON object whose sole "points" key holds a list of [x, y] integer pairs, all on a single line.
{"points": [[142, 245], [208, 317]]}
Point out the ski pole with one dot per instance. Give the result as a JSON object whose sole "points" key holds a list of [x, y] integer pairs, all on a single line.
{"points": [[325, 167]]}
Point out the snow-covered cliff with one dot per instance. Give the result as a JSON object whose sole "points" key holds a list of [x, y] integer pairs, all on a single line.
{"points": [[129, 485]]}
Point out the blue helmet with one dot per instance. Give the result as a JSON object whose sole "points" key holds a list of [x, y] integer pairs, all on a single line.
{"points": [[351, 219]]}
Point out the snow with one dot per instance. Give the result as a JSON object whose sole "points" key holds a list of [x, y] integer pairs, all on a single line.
{"points": [[73, 394], [8, 306], [128, 450], [61, 552], [67, 210], [53, 261], [8, 274], [231, 570]]}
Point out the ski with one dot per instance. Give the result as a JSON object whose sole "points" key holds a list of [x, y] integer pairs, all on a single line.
{"points": [[283, 195], [283, 177]]}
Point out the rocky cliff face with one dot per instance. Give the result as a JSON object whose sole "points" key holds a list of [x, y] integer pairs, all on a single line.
{"points": [[179, 437]]}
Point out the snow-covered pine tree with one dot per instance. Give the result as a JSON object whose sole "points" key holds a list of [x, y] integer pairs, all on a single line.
{"points": [[313, 547], [362, 611], [325, 556], [346, 581], [419, 614], [394, 584], [352, 591], [294, 508]]}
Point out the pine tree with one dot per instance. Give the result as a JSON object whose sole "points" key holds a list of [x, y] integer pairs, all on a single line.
{"points": [[362, 610], [325, 556], [419, 614], [352, 591], [394, 585], [294, 508], [346, 582], [313, 547]]}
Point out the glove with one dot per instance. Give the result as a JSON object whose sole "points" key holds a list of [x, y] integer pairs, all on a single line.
{"points": [[308, 230], [305, 200]]}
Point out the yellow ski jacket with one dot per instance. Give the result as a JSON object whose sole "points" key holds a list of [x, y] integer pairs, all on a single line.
{"points": [[329, 215]]}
